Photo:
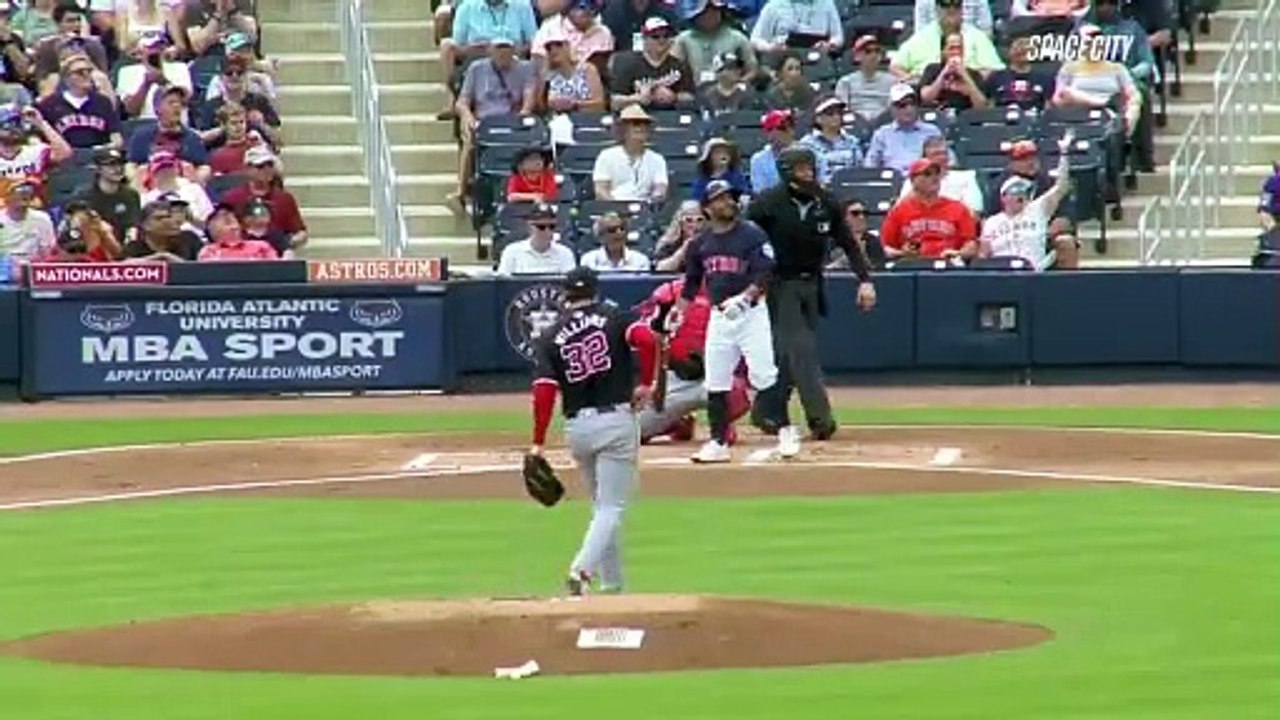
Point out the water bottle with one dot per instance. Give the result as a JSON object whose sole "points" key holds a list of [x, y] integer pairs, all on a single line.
{"points": [[6, 269]]}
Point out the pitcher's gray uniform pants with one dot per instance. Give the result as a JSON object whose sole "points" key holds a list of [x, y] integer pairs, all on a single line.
{"points": [[794, 311], [606, 448], [683, 397]]}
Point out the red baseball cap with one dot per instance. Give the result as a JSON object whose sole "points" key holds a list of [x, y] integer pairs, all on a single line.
{"points": [[1023, 149], [921, 166], [864, 42], [777, 120]]}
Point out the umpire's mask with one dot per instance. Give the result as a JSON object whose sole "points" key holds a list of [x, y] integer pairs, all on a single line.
{"points": [[798, 166]]}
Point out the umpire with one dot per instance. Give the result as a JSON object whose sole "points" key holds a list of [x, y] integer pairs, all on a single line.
{"points": [[803, 221]]}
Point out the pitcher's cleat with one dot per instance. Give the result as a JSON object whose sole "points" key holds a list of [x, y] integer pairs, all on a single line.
{"points": [[789, 441], [578, 583], [713, 452]]}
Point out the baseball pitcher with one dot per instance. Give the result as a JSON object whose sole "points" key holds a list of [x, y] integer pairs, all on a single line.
{"points": [[686, 393], [587, 355], [734, 259]]}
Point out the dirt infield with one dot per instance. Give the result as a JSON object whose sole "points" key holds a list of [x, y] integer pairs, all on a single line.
{"points": [[473, 638], [861, 460]]}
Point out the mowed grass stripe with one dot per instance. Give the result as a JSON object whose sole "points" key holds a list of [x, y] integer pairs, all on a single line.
{"points": [[42, 435], [1137, 583]]}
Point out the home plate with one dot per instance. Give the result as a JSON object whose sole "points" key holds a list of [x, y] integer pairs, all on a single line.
{"points": [[421, 462], [946, 456], [761, 456]]}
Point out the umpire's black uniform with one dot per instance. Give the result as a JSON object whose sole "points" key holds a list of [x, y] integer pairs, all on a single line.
{"points": [[802, 222]]}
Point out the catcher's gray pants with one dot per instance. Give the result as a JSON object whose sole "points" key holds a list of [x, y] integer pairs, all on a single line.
{"points": [[683, 397], [606, 448]]}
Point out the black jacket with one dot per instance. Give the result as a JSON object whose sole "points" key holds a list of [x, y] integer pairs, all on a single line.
{"points": [[802, 233]]}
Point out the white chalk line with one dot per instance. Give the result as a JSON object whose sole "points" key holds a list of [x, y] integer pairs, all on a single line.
{"points": [[852, 428], [657, 463]]}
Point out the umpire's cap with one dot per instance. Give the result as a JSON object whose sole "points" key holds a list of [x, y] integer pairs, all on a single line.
{"points": [[794, 157], [581, 282]]}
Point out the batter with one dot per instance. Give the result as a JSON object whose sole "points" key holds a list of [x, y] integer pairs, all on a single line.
{"points": [[587, 354], [734, 259]]}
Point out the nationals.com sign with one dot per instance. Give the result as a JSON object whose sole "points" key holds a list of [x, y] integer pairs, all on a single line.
{"points": [[105, 346]]}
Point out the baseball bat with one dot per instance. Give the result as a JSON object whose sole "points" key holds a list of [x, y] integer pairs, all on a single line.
{"points": [[660, 381]]}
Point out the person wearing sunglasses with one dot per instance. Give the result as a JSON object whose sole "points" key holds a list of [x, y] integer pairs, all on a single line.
{"points": [[613, 255], [653, 78], [855, 215], [927, 224], [81, 114], [259, 111], [1022, 228], [896, 145], [266, 184], [538, 254]]}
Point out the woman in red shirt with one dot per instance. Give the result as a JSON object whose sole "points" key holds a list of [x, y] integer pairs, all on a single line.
{"points": [[533, 179]]}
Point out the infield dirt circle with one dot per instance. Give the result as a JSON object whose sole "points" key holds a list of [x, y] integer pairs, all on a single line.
{"points": [[473, 637]]}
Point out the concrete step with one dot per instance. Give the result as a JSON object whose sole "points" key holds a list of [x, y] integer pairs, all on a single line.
{"points": [[384, 36], [435, 221], [1123, 245], [336, 130], [1180, 117], [398, 99], [330, 68], [331, 190], [1260, 150], [328, 159], [1248, 181], [1234, 211], [418, 129], [342, 222], [325, 11], [427, 189]]}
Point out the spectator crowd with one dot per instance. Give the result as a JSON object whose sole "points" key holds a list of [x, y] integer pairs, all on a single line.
{"points": [[140, 130], [589, 131]]}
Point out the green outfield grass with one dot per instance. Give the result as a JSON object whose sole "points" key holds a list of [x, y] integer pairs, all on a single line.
{"points": [[1165, 602]]}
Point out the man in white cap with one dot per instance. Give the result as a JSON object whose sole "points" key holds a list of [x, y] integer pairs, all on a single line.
{"points": [[653, 77], [630, 170], [1022, 228], [264, 184], [897, 144]]}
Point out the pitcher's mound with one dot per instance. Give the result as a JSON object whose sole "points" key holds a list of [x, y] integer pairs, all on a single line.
{"points": [[475, 637]]}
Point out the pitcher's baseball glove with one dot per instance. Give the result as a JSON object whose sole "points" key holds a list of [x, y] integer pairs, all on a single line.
{"points": [[540, 480]]}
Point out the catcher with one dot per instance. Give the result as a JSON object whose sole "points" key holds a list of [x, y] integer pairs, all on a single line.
{"points": [[685, 391], [587, 355]]}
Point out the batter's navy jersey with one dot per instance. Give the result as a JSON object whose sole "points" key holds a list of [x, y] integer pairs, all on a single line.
{"points": [[729, 262], [587, 354]]}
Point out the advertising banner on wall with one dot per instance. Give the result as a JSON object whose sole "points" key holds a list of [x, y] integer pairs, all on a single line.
{"points": [[286, 344]]}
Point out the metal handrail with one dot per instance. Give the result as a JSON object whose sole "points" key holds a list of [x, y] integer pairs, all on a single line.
{"points": [[371, 128], [1205, 162]]}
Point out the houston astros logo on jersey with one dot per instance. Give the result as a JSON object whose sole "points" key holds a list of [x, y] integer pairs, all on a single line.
{"points": [[530, 312]]}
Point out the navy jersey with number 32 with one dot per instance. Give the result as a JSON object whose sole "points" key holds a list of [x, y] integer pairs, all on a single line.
{"points": [[587, 354]]}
